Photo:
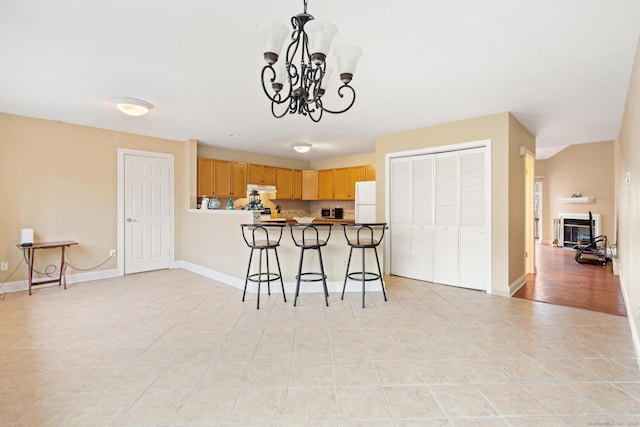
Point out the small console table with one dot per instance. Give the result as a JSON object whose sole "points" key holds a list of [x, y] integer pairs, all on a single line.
{"points": [[30, 252]]}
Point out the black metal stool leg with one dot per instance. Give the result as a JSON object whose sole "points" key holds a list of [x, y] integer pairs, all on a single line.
{"points": [[280, 274], [266, 254], [346, 274], [298, 277], [246, 280], [384, 293], [324, 279], [259, 278], [363, 278]]}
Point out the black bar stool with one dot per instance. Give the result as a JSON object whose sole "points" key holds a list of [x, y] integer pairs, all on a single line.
{"points": [[364, 236], [311, 236], [263, 237]]}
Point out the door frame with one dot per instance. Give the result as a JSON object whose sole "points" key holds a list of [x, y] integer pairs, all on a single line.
{"points": [[122, 152], [529, 217], [486, 143]]}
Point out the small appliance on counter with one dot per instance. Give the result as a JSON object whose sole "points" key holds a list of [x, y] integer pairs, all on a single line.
{"points": [[204, 203], [332, 213]]}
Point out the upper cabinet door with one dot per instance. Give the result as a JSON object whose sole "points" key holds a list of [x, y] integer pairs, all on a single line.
{"points": [[254, 174], [222, 178], [341, 184], [239, 180], [370, 173], [268, 175], [326, 184], [297, 185], [309, 185], [284, 184], [205, 177]]}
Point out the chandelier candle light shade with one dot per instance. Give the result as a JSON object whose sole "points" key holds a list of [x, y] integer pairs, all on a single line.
{"points": [[299, 80]]}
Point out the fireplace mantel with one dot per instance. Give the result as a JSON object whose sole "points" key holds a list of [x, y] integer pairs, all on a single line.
{"points": [[577, 199]]}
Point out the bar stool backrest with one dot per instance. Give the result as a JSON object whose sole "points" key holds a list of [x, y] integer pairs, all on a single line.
{"points": [[364, 235], [262, 235], [310, 235]]}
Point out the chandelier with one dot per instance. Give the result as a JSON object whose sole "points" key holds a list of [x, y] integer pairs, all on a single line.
{"points": [[298, 81]]}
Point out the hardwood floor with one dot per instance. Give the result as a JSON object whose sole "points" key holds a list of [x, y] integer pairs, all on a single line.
{"points": [[561, 280]]}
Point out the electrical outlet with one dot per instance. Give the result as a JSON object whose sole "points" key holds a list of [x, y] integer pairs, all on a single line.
{"points": [[4, 266], [112, 252]]}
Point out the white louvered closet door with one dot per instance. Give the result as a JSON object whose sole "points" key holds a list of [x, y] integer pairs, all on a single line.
{"points": [[422, 229], [446, 238], [400, 217], [473, 219]]}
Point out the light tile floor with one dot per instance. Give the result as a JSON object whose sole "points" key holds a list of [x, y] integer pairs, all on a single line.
{"points": [[173, 348]]}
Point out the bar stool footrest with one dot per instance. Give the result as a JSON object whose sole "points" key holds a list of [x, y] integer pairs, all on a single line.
{"points": [[368, 276], [311, 277], [263, 277]]}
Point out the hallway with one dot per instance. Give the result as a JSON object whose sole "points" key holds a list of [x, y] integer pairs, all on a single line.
{"points": [[561, 280]]}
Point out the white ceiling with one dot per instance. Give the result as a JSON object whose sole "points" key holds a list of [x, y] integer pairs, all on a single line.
{"points": [[561, 67]]}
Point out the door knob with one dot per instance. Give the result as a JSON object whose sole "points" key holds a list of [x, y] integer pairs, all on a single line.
{"points": [[131, 220]]}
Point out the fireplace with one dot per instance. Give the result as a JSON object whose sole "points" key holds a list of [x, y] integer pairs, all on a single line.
{"points": [[574, 228]]}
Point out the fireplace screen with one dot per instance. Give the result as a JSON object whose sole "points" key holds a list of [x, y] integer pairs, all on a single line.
{"points": [[575, 230]]}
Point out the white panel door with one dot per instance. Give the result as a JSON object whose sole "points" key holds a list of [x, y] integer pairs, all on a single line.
{"points": [[446, 237], [148, 236], [422, 229], [400, 217], [473, 256]]}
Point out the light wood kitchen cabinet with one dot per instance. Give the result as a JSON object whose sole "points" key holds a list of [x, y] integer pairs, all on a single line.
{"points": [[345, 182], [222, 178], [341, 184], [260, 174], [238, 179], [325, 184], [205, 177], [284, 184], [370, 173], [297, 184], [309, 185]]}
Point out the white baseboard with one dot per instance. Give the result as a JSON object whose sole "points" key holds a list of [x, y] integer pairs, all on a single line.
{"points": [[289, 287], [517, 284], [22, 285], [632, 325]]}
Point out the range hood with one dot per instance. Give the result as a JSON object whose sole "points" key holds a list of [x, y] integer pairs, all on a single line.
{"points": [[261, 188]]}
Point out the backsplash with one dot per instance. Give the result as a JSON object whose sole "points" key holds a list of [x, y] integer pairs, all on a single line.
{"points": [[293, 208]]}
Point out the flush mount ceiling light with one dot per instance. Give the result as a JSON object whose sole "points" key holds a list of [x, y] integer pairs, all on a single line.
{"points": [[132, 106], [302, 147], [299, 80]]}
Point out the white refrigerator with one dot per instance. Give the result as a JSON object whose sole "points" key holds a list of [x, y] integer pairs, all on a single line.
{"points": [[365, 201]]}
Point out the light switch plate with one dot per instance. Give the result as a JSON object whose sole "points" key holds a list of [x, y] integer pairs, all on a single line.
{"points": [[627, 178]]}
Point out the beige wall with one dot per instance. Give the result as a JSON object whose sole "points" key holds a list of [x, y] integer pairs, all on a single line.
{"points": [[211, 152], [344, 162], [582, 168], [506, 163], [627, 207], [61, 180], [519, 136], [262, 159]]}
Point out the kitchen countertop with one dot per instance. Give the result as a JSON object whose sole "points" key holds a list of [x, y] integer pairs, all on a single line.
{"points": [[315, 221]]}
